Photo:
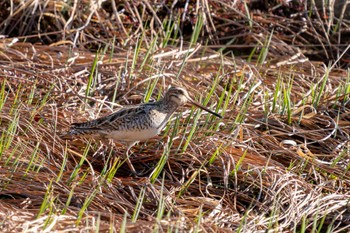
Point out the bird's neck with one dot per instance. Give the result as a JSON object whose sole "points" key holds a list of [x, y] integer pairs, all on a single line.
{"points": [[168, 106]]}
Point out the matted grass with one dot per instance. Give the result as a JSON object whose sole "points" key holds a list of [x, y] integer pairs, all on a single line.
{"points": [[277, 161]]}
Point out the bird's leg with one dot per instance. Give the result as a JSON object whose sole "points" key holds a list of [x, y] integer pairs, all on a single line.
{"points": [[128, 160]]}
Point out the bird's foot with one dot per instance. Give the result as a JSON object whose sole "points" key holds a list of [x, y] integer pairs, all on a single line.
{"points": [[139, 173], [145, 170]]}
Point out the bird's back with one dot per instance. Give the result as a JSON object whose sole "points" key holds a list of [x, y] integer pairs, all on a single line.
{"points": [[135, 123]]}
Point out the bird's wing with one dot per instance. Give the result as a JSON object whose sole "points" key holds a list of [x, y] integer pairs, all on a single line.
{"points": [[114, 121]]}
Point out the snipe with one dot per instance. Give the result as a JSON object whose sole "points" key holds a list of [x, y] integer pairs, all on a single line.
{"points": [[136, 123]]}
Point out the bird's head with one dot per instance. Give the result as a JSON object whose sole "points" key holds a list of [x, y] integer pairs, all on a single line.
{"points": [[177, 95], [180, 96]]}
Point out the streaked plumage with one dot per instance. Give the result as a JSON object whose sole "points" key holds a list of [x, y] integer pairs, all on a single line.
{"points": [[136, 123]]}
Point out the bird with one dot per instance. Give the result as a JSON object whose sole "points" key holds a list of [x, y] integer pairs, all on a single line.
{"points": [[132, 124]]}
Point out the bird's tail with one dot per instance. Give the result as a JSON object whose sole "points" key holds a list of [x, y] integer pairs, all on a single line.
{"points": [[72, 133], [81, 130]]}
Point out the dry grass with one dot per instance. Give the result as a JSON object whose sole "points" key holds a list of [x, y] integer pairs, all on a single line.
{"points": [[278, 161]]}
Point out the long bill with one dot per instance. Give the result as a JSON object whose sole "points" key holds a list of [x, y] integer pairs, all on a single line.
{"points": [[204, 108]]}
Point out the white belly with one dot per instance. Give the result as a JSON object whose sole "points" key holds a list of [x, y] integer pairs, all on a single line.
{"points": [[134, 135]]}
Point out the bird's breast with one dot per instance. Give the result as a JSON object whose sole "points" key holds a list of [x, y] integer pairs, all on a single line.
{"points": [[159, 119]]}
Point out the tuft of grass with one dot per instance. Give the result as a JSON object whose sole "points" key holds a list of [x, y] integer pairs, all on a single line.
{"points": [[319, 88], [265, 49], [91, 84], [138, 205], [48, 201]]}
